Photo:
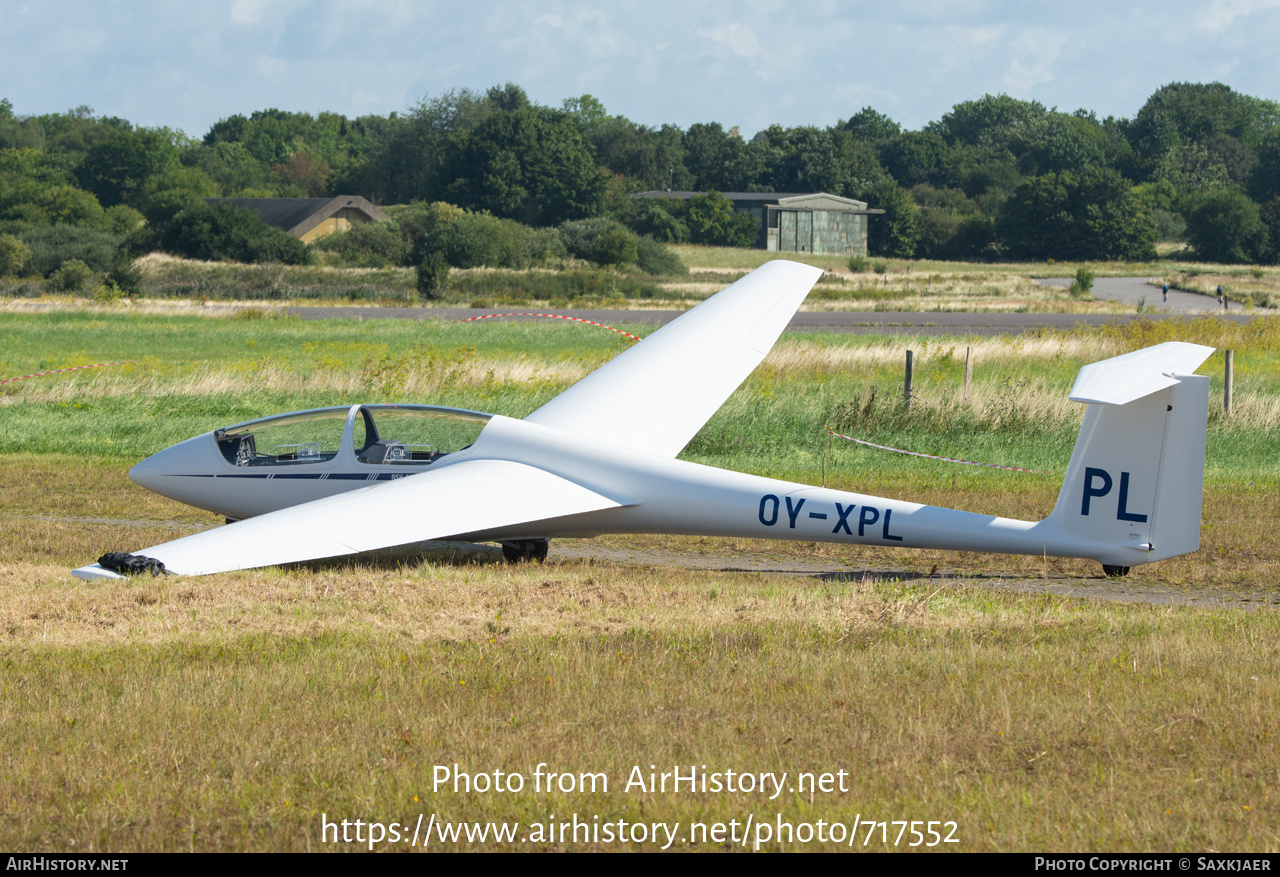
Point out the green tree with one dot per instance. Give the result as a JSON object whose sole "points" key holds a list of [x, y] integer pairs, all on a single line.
{"points": [[919, 157], [1183, 113], [651, 158], [996, 120], [1269, 213], [870, 126], [1264, 180], [897, 232], [1225, 226], [530, 165], [714, 157], [712, 220], [14, 255], [116, 169], [305, 171], [1058, 142], [1090, 216]]}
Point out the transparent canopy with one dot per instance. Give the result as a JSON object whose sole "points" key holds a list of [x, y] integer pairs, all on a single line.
{"points": [[383, 435]]}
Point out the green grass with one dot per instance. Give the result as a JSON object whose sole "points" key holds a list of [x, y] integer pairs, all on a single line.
{"points": [[194, 374]]}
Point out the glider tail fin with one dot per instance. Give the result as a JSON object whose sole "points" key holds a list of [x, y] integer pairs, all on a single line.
{"points": [[1136, 477]]}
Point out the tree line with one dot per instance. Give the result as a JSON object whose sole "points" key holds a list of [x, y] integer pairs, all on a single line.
{"points": [[995, 177]]}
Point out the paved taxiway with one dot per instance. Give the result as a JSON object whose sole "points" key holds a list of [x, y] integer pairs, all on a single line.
{"points": [[859, 323]]}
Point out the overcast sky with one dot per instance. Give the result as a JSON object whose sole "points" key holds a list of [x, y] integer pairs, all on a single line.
{"points": [[748, 63]]}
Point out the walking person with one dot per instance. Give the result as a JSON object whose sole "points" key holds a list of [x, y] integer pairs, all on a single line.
{"points": [[1166, 292], [1222, 297]]}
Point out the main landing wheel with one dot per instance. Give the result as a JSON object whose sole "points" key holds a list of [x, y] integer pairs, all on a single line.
{"points": [[521, 550], [1115, 572]]}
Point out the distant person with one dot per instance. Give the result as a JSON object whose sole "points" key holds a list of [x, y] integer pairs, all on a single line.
{"points": [[1166, 292], [1222, 297]]}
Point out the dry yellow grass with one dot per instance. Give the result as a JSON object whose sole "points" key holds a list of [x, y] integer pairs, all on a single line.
{"points": [[232, 712]]}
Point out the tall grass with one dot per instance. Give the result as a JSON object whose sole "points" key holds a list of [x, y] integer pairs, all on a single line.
{"points": [[196, 374]]}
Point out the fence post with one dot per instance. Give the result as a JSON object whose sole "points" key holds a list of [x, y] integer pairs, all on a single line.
{"points": [[968, 370], [1227, 381], [906, 384]]}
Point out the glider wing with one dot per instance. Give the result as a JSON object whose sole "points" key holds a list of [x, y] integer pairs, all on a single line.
{"points": [[467, 497], [657, 395]]}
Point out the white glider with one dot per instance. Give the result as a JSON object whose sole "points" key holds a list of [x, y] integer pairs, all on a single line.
{"points": [[600, 458]]}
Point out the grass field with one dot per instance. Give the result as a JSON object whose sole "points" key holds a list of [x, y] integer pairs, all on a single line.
{"points": [[888, 285], [237, 711]]}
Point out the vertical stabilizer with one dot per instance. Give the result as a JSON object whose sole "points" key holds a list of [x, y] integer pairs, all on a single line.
{"points": [[1136, 477]]}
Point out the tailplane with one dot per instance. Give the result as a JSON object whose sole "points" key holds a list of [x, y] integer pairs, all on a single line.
{"points": [[1135, 482]]}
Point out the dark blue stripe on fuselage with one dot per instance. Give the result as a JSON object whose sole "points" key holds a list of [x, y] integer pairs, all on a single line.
{"points": [[309, 476]]}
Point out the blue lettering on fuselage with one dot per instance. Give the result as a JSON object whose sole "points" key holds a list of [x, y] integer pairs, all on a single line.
{"points": [[771, 508], [843, 523]]}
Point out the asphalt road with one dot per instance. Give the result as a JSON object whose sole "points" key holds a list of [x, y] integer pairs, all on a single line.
{"points": [[1135, 291], [861, 323]]}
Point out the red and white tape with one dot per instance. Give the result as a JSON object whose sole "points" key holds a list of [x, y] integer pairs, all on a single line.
{"points": [[932, 457], [554, 317], [71, 369]]}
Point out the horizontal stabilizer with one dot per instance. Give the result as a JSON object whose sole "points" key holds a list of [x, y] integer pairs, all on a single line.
{"points": [[1122, 379], [467, 497]]}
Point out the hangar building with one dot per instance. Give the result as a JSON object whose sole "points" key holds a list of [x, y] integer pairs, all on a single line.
{"points": [[813, 222]]}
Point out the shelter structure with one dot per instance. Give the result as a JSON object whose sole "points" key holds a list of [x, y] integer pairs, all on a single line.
{"points": [[310, 218], [812, 222]]}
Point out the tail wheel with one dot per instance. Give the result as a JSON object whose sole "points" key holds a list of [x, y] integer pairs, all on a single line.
{"points": [[521, 550], [1115, 572]]}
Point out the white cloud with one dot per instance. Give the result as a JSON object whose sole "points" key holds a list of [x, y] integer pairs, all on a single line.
{"points": [[1222, 14], [247, 12], [737, 38], [1034, 51]]}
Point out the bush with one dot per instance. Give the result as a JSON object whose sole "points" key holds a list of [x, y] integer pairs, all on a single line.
{"points": [[1225, 226], [478, 239], [859, 264], [432, 274], [420, 222], [657, 258], [123, 219], [14, 255], [71, 276], [223, 231], [579, 235], [1083, 281], [659, 218], [367, 245], [53, 245], [126, 277], [616, 246]]}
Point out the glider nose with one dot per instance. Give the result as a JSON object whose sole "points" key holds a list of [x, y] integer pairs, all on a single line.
{"points": [[151, 471], [185, 458]]}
